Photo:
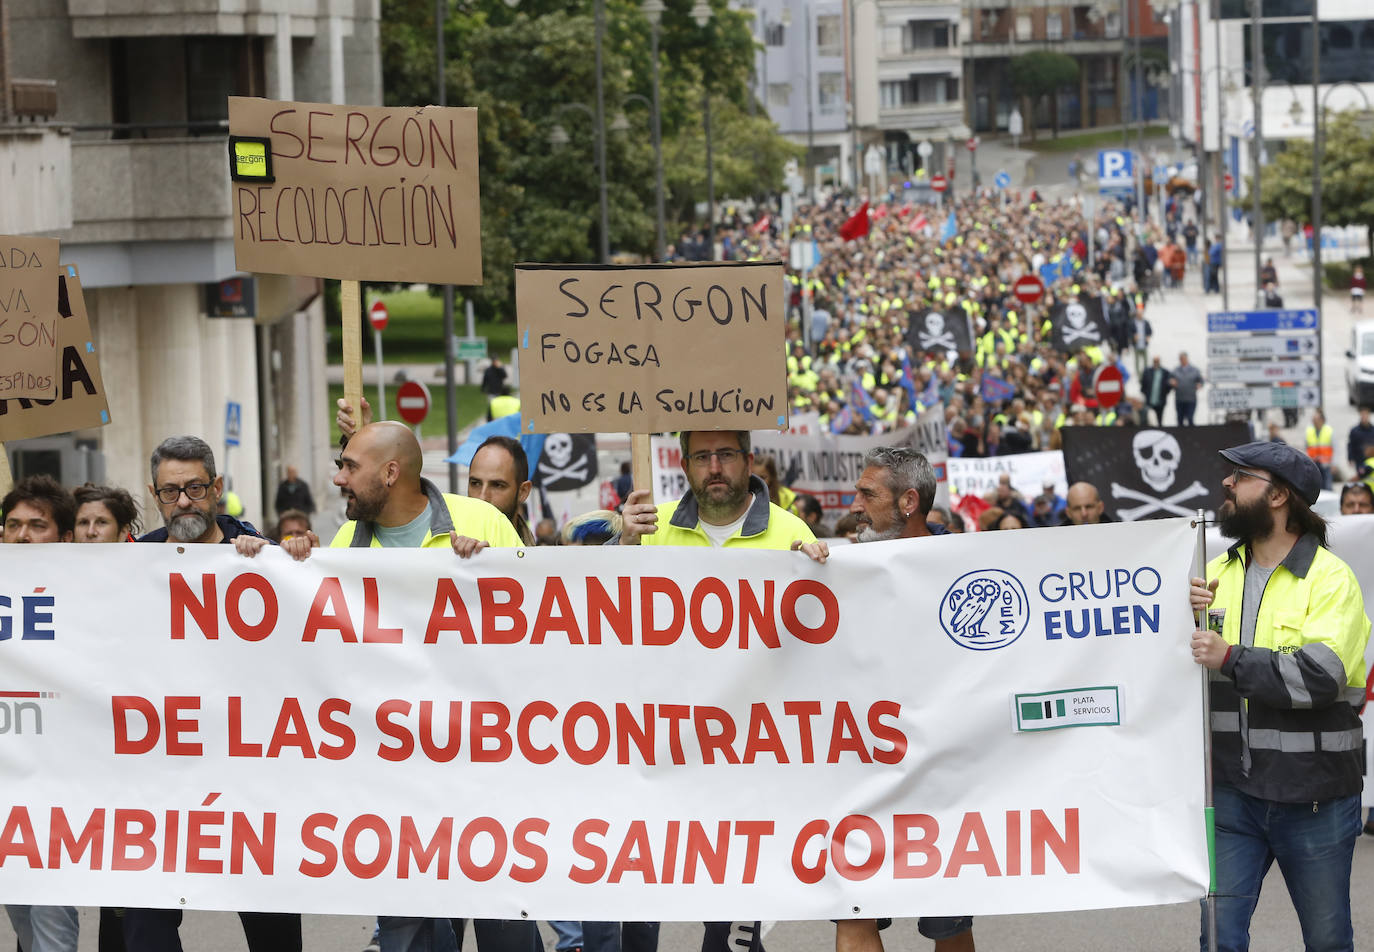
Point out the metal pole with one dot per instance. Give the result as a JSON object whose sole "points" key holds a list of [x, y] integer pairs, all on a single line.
{"points": [[470, 365], [1224, 213], [1139, 126], [450, 384], [1257, 72], [853, 99], [1121, 74], [1318, 129], [381, 380], [658, 152], [601, 135], [710, 177], [1209, 817], [810, 123]]}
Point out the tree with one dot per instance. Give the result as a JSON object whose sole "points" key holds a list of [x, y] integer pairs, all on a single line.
{"points": [[521, 68], [1043, 73], [1347, 176]]}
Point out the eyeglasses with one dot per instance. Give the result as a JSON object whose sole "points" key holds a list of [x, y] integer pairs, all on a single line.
{"points": [[1237, 473], [194, 492], [726, 457]]}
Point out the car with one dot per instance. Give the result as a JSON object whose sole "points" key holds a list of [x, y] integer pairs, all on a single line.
{"points": [[1359, 365]]}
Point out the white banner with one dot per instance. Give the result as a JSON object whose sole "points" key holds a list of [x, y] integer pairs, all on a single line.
{"points": [[616, 734], [1028, 471], [815, 462]]}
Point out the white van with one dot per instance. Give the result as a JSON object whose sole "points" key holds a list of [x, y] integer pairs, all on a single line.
{"points": [[1359, 365]]}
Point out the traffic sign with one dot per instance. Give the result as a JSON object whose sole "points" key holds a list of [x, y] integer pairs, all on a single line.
{"points": [[1115, 170], [1028, 289], [412, 401], [939, 182], [1002, 180], [1264, 371], [1263, 398], [924, 148], [1221, 322], [378, 315], [469, 348], [1237, 348], [1230, 183], [1107, 385], [972, 143], [233, 423]]}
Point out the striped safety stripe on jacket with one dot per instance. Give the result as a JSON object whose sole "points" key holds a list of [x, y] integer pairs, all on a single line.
{"points": [[1285, 725]]}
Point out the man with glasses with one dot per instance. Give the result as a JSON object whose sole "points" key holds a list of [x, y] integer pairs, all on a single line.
{"points": [[1284, 644], [725, 506], [187, 491]]}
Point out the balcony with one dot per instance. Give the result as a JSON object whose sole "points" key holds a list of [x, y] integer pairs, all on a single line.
{"points": [[103, 19], [35, 179], [917, 116], [155, 189]]}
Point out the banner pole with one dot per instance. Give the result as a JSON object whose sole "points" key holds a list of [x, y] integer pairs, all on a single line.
{"points": [[1200, 571], [641, 465], [350, 304]]}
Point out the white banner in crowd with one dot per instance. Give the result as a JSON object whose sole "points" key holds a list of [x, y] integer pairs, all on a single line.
{"points": [[645, 734], [814, 462], [1351, 538], [1029, 472]]}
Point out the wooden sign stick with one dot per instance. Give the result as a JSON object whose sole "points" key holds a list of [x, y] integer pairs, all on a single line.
{"points": [[350, 304], [6, 477], [641, 465]]}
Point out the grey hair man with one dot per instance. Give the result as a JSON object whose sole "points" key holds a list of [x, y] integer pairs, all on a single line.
{"points": [[893, 495]]}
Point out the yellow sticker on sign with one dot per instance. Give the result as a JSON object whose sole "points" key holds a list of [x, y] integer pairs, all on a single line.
{"points": [[250, 159]]}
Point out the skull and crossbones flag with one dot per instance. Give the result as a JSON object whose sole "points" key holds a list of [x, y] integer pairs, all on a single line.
{"points": [[567, 461], [940, 330], [1077, 324], [1148, 473]]}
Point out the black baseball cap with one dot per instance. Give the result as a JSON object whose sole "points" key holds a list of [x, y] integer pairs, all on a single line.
{"points": [[1282, 460]]}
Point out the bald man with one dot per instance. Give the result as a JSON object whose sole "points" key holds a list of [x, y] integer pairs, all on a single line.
{"points": [[1084, 506], [391, 505]]}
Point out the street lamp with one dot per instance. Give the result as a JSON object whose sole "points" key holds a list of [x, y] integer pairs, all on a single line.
{"points": [[653, 12], [701, 13], [1318, 144]]}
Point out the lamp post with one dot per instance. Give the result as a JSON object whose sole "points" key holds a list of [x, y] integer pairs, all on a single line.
{"points": [[601, 135], [450, 383], [653, 11], [701, 13], [1257, 73], [1318, 145]]}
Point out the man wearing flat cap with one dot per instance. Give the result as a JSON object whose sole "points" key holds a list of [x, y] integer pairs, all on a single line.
{"points": [[1284, 644]]}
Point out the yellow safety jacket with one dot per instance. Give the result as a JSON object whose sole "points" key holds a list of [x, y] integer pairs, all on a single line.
{"points": [[474, 518], [766, 526]]}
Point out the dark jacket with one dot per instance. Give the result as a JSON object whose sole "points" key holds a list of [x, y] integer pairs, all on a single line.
{"points": [[231, 527], [1147, 382]]}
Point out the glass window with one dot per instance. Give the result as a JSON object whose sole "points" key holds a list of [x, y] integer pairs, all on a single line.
{"points": [[774, 34], [1288, 51], [1054, 26], [1023, 26], [779, 95], [830, 93], [829, 35]]}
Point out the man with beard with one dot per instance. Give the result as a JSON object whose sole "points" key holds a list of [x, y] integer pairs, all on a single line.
{"points": [[891, 499], [500, 474], [187, 490], [1284, 642], [725, 506]]}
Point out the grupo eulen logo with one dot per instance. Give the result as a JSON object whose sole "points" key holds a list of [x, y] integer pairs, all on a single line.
{"points": [[985, 609]]}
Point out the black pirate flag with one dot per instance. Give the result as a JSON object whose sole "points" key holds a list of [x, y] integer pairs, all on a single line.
{"points": [[1152, 473], [938, 331], [1077, 324], [567, 461]]}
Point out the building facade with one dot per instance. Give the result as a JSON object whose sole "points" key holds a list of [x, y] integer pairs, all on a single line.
{"points": [[143, 210]]}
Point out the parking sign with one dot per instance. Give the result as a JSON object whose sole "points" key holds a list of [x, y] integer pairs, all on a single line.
{"points": [[1115, 171]]}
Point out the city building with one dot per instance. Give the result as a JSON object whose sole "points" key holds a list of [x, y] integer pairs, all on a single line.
{"points": [[129, 169]]}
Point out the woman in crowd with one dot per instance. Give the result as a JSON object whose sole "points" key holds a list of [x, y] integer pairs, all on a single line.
{"points": [[104, 514]]}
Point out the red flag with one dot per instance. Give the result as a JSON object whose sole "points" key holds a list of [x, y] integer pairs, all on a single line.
{"points": [[919, 222], [761, 225], [857, 225]]}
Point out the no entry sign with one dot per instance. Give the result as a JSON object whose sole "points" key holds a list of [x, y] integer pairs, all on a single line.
{"points": [[1028, 289], [378, 315], [412, 401], [1108, 386], [939, 183]]}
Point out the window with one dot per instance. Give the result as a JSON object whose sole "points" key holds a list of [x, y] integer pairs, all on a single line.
{"points": [[830, 93], [894, 94], [1288, 51], [952, 89], [1054, 26], [829, 35], [779, 95], [774, 34], [1023, 27], [894, 38]]}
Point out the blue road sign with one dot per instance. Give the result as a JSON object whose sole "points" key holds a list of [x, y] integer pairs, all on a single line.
{"points": [[1115, 170], [233, 423], [1221, 322], [1002, 180]]}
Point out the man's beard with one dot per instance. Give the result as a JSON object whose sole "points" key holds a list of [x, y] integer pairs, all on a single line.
{"points": [[365, 508], [188, 525], [868, 534], [720, 506], [1249, 523]]}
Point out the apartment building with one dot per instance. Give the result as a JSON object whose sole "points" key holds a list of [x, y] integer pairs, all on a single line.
{"points": [[135, 184]]}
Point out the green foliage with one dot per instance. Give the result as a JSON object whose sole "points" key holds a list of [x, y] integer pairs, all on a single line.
{"points": [[1347, 176], [1337, 274], [1043, 73], [522, 68]]}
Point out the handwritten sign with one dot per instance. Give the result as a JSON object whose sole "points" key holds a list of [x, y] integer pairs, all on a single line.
{"points": [[651, 348], [28, 313], [356, 192], [80, 400]]}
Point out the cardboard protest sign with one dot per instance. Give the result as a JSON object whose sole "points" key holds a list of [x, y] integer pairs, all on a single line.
{"points": [[651, 348], [80, 400], [28, 315], [356, 192]]}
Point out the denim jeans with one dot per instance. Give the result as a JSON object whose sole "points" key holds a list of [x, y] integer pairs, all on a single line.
{"points": [[157, 930], [569, 934], [44, 928], [1314, 844]]}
